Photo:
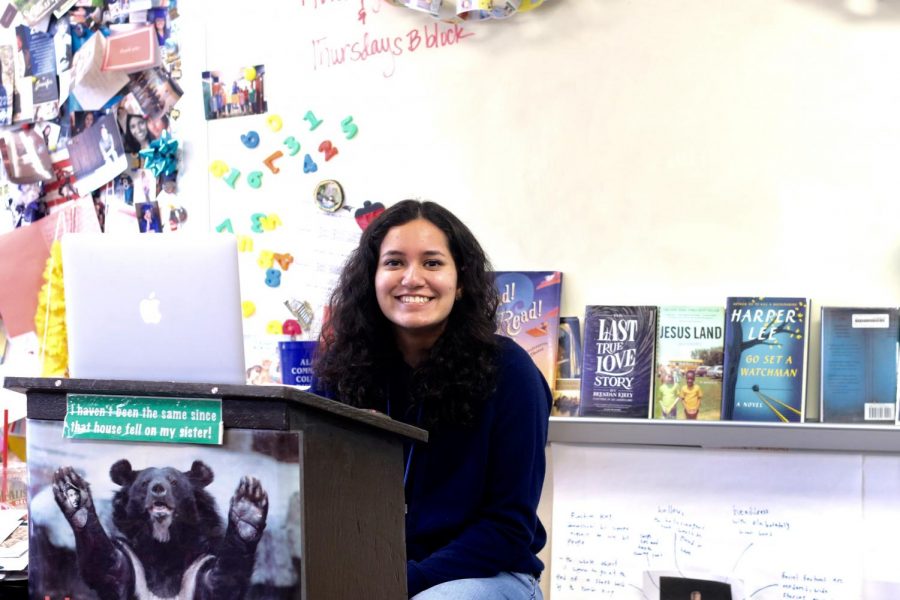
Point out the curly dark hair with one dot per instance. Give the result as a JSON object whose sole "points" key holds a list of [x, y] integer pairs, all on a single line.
{"points": [[358, 347]]}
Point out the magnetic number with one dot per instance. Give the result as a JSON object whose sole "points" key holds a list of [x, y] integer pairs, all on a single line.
{"points": [[284, 261], [262, 222], [313, 121], [225, 226], [274, 122], [273, 277], [270, 160], [218, 168], [254, 179], [349, 128], [245, 243], [232, 177], [266, 259], [271, 222], [250, 139], [293, 145], [329, 150], [309, 165], [256, 220]]}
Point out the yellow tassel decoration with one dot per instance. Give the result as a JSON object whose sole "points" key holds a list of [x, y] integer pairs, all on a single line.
{"points": [[50, 319]]}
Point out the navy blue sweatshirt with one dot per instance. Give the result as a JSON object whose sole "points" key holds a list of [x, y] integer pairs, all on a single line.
{"points": [[472, 491]]}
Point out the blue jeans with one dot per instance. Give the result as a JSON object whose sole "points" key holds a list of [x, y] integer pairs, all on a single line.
{"points": [[505, 586]]}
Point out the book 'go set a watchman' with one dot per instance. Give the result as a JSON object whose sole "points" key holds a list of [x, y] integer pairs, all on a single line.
{"points": [[766, 342], [617, 366]]}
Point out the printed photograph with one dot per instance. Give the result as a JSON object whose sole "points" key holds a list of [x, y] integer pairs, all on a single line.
{"points": [[672, 585], [155, 92], [684, 588], [50, 132], [23, 101], [159, 18], [262, 359], [62, 188], [138, 130], [102, 199], [81, 17], [149, 220], [25, 205], [234, 93], [97, 153], [137, 135], [82, 120], [25, 156], [45, 97], [144, 520], [120, 210], [36, 50], [35, 10], [124, 188], [144, 185], [7, 78], [62, 43]]}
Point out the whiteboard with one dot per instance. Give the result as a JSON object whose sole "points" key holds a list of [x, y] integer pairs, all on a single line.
{"points": [[774, 524]]}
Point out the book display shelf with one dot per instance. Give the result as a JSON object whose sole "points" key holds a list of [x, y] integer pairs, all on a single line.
{"points": [[726, 434]]}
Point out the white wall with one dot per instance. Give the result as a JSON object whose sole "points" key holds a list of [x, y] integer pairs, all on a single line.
{"points": [[656, 152]]}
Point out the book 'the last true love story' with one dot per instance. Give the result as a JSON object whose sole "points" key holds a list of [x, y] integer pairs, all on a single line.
{"points": [[617, 366]]}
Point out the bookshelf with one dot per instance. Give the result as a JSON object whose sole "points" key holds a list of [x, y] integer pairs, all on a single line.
{"points": [[726, 434]]}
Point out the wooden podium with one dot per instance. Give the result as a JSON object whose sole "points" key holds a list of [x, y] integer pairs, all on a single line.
{"points": [[351, 499]]}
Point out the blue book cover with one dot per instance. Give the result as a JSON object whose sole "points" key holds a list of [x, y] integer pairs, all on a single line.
{"points": [[766, 342], [859, 365], [529, 314], [617, 365], [568, 361]]}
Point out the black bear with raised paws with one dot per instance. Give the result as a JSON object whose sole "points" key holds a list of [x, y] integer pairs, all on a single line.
{"points": [[173, 544]]}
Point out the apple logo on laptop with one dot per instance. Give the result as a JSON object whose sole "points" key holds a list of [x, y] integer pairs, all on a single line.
{"points": [[149, 308]]}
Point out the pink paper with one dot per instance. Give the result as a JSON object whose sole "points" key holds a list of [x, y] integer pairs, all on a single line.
{"points": [[23, 257]]}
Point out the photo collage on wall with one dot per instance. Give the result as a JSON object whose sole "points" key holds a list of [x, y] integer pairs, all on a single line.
{"points": [[88, 100]]}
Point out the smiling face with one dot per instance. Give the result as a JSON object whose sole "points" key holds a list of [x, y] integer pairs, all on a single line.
{"points": [[416, 283], [138, 129]]}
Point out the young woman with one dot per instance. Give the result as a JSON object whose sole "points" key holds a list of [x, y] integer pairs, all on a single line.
{"points": [[411, 334], [136, 136], [106, 145]]}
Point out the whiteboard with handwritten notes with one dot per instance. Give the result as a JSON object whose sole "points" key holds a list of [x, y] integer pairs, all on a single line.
{"points": [[771, 523]]}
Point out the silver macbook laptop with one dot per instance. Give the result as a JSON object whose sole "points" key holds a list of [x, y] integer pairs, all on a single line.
{"points": [[153, 307]]}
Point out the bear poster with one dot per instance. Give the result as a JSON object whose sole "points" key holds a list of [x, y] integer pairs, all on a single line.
{"points": [[124, 520]]}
